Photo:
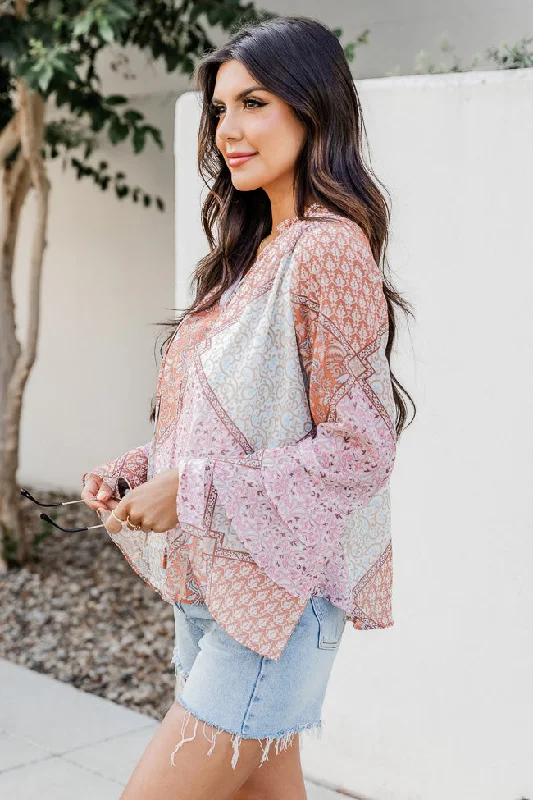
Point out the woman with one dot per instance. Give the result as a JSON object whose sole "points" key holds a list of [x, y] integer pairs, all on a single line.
{"points": [[260, 509]]}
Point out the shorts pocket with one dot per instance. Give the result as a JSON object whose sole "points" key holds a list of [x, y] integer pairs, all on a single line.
{"points": [[331, 620]]}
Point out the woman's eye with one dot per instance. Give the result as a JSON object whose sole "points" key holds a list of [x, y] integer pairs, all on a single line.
{"points": [[257, 103], [217, 110]]}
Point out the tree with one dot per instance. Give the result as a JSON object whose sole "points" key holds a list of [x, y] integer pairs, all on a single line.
{"points": [[49, 53]]}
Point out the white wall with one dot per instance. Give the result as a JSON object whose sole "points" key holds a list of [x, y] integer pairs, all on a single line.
{"points": [[109, 274], [440, 706], [398, 32], [98, 407]]}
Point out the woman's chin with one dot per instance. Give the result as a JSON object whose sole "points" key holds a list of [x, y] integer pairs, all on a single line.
{"points": [[246, 186]]}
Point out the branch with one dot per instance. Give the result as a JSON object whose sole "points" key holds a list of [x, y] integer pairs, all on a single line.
{"points": [[32, 108], [15, 187], [9, 138]]}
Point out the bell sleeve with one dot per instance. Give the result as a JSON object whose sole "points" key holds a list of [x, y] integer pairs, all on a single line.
{"points": [[289, 504], [133, 466]]}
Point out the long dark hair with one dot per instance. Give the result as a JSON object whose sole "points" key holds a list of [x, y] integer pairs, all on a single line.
{"points": [[300, 60]]}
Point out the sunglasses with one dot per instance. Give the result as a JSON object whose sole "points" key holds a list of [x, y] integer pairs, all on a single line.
{"points": [[123, 487]]}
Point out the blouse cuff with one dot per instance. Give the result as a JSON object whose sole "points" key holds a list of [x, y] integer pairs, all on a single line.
{"points": [[195, 478]]}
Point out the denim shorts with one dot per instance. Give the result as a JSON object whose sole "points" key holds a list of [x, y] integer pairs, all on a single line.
{"points": [[224, 684]]}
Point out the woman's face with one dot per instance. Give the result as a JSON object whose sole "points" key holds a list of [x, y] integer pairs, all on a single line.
{"points": [[257, 122]]}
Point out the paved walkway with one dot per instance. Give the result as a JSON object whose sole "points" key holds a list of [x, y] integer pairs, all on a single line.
{"points": [[59, 743]]}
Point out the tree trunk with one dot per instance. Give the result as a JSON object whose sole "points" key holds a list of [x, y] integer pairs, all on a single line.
{"points": [[15, 186], [19, 360]]}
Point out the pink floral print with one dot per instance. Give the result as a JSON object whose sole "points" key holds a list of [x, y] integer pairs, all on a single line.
{"points": [[276, 407]]}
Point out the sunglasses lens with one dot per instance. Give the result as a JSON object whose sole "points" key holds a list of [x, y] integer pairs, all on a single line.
{"points": [[123, 487]]}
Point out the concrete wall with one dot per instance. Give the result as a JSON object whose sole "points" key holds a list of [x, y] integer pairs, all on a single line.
{"points": [[109, 274], [398, 32], [440, 705], [109, 266]]}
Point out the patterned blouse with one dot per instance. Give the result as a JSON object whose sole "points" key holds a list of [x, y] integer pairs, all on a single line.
{"points": [[276, 407]]}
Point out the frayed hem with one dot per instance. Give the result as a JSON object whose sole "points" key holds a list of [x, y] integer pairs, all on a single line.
{"points": [[281, 742]]}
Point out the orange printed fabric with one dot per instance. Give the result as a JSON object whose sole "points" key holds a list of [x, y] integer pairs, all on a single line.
{"points": [[277, 409], [133, 466]]}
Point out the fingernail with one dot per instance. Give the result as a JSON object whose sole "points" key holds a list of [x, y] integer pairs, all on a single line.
{"points": [[100, 495]]}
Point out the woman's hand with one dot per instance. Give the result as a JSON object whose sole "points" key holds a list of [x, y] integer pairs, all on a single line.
{"points": [[152, 505], [97, 494]]}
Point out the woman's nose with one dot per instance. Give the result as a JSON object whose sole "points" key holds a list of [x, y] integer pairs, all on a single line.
{"points": [[228, 129]]}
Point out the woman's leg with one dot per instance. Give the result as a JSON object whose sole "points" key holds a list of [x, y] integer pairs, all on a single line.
{"points": [[195, 775], [278, 778], [261, 702]]}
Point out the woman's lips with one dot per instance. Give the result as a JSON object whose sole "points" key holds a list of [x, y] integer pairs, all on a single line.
{"points": [[235, 162]]}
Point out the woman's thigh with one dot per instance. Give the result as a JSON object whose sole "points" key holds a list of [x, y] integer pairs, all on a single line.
{"points": [[280, 777], [237, 699], [191, 776]]}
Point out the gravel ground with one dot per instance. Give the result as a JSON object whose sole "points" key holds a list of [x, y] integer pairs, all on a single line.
{"points": [[81, 614]]}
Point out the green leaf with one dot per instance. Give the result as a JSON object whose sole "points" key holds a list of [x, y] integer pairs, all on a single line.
{"points": [[117, 130], [83, 24], [76, 165], [45, 75], [14, 34], [115, 100], [156, 135], [187, 65], [133, 116], [172, 60], [10, 50], [106, 30], [121, 9], [97, 122], [349, 51], [62, 95], [66, 65], [139, 135]]}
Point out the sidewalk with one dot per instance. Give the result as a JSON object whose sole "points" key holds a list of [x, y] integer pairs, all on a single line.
{"points": [[59, 743]]}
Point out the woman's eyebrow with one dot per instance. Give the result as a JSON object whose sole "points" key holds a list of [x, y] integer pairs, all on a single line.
{"points": [[241, 95]]}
